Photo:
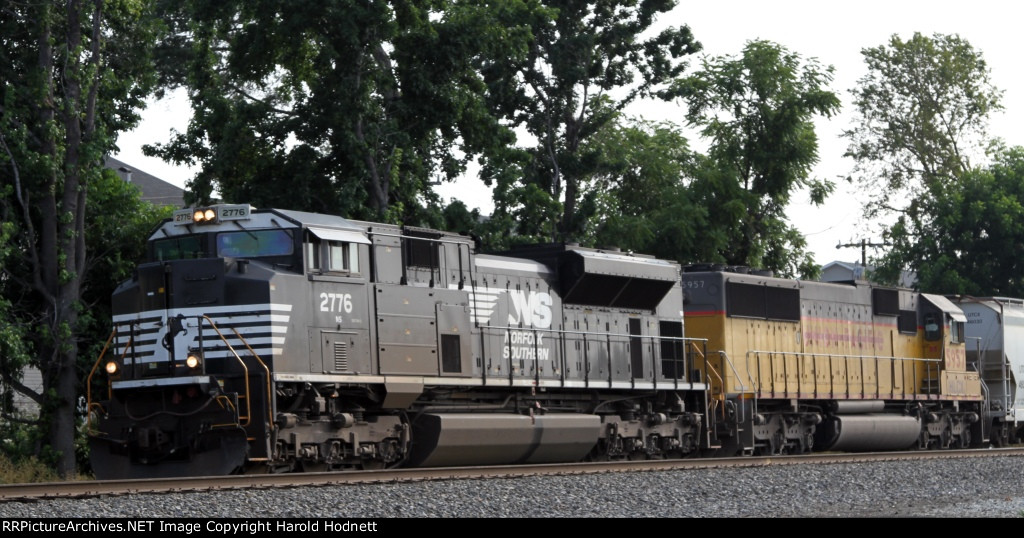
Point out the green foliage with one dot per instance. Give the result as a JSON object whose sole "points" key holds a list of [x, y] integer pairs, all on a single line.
{"points": [[973, 240], [117, 226], [341, 107], [531, 217], [18, 441], [586, 61], [922, 113], [642, 200], [14, 353], [27, 470], [757, 111], [72, 75], [25, 456]]}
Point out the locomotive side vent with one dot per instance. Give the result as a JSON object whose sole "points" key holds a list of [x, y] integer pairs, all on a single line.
{"points": [[885, 302], [340, 356], [451, 354], [907, 322]]}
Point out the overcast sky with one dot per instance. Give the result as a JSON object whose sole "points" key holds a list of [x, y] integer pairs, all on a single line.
{"points": [[832, 32]]}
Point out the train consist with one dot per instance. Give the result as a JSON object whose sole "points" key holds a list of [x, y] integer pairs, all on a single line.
{"points": [[267, 340]]}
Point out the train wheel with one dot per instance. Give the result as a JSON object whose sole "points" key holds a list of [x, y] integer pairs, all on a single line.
{"points": [[597, 455], [607, 449], [945, 438], [636, 449], [923, 440], [271, 468], [1000, 435], [965, 438], [256, 469], [808, 444]]}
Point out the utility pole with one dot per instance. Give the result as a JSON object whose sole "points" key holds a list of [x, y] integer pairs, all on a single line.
{"points": [[864, 244]]}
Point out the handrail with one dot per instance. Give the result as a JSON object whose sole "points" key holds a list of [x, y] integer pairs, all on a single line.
{"points": [[90, 405], [721, 396], [88, 382], [598, 333], [743, 387], [701, 353], [245, 370], [756, 354], [885, 357], [605, 338], [270, 390]]}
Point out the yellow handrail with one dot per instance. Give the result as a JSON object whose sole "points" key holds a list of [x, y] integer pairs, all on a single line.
{"points": [[245, 370], [270, 409], [90, 405], [88, 382]]}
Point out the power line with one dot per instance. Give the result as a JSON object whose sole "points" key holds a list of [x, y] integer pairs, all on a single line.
{"points": [[863, 244]]}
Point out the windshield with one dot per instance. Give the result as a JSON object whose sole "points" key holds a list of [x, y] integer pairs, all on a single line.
{"points": [[178, 248], [251, 244]]}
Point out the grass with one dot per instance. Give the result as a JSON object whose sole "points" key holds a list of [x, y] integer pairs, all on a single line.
{"points": [[25, 471]]}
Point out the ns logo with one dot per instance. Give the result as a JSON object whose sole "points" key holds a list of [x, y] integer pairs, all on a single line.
{"points": [[532, 309]]}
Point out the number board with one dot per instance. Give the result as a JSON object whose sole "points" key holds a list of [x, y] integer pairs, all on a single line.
{"points": [[233, 212], [183, 217]]}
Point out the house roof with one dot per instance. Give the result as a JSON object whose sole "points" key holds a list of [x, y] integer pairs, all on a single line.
{"points": [[838, 271], [154, 190]]}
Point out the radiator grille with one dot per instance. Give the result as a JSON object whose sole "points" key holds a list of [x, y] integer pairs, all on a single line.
{"points": [[340, 356]]}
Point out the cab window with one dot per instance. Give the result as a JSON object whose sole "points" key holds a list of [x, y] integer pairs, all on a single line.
{"points": [[178, 248], [324, 256], [312, 256], [932, 328], [254, 243], [343, 256], [956, 331]]}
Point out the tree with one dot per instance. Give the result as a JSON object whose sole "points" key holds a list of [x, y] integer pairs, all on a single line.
{"points": [[642, 196], [340, 106], [922, 114], [118, 225], [73, 74], [973, 241], [757, 111], [587, 60]]}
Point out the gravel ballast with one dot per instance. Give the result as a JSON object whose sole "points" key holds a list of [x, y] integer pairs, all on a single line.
{"points": [[971, 487]]}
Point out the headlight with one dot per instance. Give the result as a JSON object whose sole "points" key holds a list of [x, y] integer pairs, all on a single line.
{"points": [[192, 361], [112, 367]]}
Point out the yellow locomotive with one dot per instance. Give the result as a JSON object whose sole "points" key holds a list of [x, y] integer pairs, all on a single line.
{"points": [[797, 365]]}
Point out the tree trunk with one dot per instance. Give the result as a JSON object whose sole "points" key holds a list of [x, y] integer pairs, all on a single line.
{"points": [[62, 419], [59, 71]]}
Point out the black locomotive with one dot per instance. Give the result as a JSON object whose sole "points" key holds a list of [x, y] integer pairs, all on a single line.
{"points": [[270, 340]]}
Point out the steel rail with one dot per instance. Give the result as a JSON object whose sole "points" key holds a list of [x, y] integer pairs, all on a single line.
{"points": [[86, 489]]}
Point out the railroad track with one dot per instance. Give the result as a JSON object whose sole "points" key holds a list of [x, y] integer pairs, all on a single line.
{"points": [[84, 489]]}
